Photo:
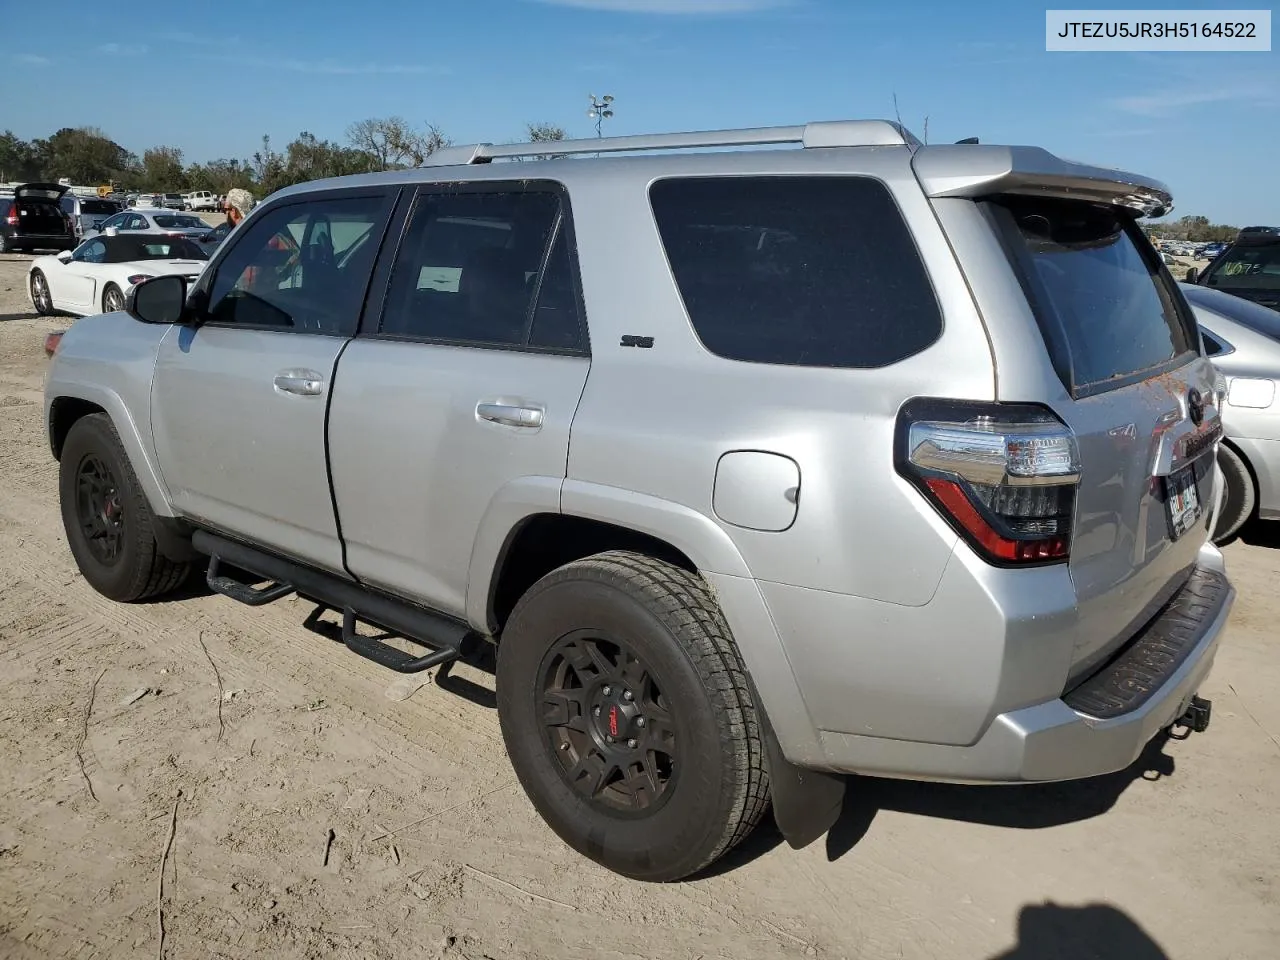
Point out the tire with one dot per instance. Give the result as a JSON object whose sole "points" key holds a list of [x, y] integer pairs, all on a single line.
{"points": [[694, 700], [1238, 496], [109, 293], [43, 301], [124, 562]]}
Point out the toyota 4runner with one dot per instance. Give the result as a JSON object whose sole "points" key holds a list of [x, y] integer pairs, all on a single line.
{"points": [[758, 466]]}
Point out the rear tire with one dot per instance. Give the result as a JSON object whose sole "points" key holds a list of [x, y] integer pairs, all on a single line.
{"points": [[1238, 495], [625, 646], [107, 519], [112, 299]]}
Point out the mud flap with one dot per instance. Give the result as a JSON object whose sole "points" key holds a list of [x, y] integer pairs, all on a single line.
{"points": [[806, 803]]}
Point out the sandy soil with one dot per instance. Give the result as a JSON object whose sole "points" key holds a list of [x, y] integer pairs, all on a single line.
{"points": [[316, 816]]}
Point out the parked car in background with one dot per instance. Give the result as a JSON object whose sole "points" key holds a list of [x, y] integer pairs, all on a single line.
{"points": [[87, 213], [920, 484], [166, 222], [1212, 250], [99, 274], [32, 218], [1249, 268], [202, 200], [149, 201], [173, 201], [1242, 339]]}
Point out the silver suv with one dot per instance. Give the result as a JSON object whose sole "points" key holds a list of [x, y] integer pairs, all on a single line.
{"points": [[759, 466]]}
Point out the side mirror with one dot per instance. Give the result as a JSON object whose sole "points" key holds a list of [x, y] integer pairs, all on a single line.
{"points": [[158, 300], [65, 256], [1192, 275]]}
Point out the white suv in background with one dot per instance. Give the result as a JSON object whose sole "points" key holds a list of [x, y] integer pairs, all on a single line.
{"points": [[202, 200]]}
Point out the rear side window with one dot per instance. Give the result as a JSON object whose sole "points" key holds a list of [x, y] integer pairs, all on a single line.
{"points": [[1108, 311], [807, 270]]}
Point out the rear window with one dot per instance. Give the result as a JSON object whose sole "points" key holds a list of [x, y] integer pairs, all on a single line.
{"points": [[1246, 267], [98, 207], [807, 270], [1108, 310]]}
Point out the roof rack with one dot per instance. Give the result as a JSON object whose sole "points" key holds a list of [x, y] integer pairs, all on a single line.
{"points": [[827, 133]]}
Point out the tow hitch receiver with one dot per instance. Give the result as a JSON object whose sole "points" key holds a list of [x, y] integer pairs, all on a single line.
{"points": [[1196, 717]]}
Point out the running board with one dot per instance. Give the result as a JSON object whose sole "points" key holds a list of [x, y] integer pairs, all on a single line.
{"points": [[240, 591], [441, 634]]}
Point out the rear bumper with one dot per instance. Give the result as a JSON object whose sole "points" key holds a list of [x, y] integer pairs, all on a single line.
{"points": [[1098, 727]]}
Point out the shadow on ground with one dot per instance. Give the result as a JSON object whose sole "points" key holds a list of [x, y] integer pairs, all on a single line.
{"points": [[1018, 807], [1261, 533], [1096, 931]]}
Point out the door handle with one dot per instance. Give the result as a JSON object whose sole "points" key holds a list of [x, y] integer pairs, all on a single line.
{"points": [[509, 414], [303, 383]]}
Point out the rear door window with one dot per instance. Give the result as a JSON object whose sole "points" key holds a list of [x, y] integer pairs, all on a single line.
{"points": [[1109, 312], [804, 270]]}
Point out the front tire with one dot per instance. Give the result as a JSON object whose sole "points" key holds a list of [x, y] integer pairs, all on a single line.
{"points": [[107, 519], [628, 717], [1238, 495], [40, 295]]}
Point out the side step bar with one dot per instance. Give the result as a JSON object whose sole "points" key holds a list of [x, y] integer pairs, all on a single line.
{"points": [[441, 634]]}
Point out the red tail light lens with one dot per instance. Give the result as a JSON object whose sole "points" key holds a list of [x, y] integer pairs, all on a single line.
{"points": [[1004, 476], [139, 277]]}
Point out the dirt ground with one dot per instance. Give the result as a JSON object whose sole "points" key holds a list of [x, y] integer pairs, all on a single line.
{"points": [[311, 813]]}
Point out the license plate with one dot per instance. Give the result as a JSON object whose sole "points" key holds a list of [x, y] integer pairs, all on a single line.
{"points": [[1182, 501]]}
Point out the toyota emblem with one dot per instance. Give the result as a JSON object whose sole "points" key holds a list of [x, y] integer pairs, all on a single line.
{"points": [[1195, 406]]}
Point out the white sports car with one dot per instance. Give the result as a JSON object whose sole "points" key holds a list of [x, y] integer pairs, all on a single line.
{"points": [[97, 276]]}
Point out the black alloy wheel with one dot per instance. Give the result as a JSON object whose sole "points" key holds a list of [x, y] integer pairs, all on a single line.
{"points": [[607, 723], [99, 509]]}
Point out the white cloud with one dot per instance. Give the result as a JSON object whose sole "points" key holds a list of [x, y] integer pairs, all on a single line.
{"points": [[673, 6], [32, 60], [1173, 102], [124, 49], [327, 67]]}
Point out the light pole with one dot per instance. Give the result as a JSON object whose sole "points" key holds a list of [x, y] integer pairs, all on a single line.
{"points": [[601, 110]]}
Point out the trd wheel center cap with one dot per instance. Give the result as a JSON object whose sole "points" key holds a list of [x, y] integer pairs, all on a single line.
{"points": [[616, 720]]}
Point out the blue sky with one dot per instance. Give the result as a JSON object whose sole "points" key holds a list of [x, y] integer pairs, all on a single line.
{"points": [[213, 78]]}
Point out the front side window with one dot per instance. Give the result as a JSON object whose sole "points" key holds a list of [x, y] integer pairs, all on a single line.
{"points": [[302, 267], [489, 267], [802, 270], [1107, 309]]}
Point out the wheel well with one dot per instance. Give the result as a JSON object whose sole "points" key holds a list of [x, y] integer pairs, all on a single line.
{"points": [[63, 413], [1248, 469], [549, 540]]}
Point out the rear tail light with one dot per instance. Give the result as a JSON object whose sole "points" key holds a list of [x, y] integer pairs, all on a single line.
{"points": [[1004, 476], [12, 218], [139, 277]]}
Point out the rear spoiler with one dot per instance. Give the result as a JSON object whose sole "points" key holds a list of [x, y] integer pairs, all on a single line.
{"points": [[971, 170]]}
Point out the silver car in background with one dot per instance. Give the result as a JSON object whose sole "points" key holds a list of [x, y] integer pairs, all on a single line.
{"points": [[167, 223], [1242, 339]]}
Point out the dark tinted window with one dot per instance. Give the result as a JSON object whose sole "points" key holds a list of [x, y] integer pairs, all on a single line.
{"points": [[1249, 266], [178, 222], [302, 267], [469, 271], [124, 249], [815, 271], [98, 207], [1106, 307]]}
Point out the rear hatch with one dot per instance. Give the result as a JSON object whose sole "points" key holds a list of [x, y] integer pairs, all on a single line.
{"points": [[93, 211], [38, 214], [1124, 374]]}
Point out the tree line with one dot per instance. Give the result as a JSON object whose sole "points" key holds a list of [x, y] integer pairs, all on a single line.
{"points": [[87, 156], [1194, 229]]}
